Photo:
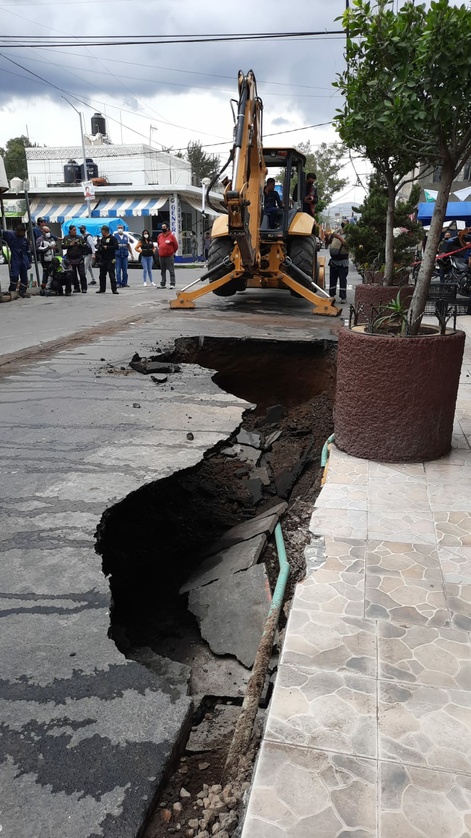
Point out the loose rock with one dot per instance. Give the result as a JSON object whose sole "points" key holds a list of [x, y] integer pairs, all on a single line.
{"points": [[184, 793]]}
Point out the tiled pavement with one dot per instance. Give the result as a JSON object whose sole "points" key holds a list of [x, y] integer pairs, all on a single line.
{"points": [[369, 728]]}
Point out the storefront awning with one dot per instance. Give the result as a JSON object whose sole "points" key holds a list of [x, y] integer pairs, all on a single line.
{"points": [[58, 212], [197, 205], [129, 206], [455, 210]]}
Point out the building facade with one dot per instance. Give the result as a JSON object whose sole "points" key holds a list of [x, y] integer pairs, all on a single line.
{"points": [[137, 183]]}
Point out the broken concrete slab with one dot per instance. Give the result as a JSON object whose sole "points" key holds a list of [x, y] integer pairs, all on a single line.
{"points": [[214, 675], [271, 438], [177, 675], [222, 565], [255, 488], [247, 454], [263, 523], [246, 438], [213, 731], [146, 367], [273, 415], [232, 613], [262, 473]]}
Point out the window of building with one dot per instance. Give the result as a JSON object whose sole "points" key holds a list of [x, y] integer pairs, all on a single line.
{"points": [[437, 175]]}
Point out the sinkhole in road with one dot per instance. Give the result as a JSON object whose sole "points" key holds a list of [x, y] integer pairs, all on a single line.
{"points": [[156, 537]]}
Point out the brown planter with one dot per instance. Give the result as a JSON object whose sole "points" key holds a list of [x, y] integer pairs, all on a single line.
{"points": [[372, 296], [395, 397], [372, 277]]}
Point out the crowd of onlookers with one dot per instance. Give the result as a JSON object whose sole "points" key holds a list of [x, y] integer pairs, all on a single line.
{"points": [[66, 264]]}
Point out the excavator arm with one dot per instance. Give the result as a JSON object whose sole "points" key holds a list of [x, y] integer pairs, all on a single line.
{"points": [[244, 196]]}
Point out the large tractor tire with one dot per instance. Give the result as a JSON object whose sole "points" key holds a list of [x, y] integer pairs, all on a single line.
{"points": [[302, 251], [218, 250]]}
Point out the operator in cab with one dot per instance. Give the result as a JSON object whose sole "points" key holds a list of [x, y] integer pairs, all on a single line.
{"points": [[271, 203]]}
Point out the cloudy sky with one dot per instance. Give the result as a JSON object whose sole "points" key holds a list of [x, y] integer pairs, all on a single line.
{"points": [[172, 93]]}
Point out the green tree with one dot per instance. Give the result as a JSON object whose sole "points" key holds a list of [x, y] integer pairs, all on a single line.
{"points": [[325, 162], [14, 156], [366, 239], [406, 102], [380, 48], [202, 163]]}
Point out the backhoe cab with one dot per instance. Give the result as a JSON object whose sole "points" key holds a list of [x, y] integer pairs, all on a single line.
{"points": [[250, 249]]}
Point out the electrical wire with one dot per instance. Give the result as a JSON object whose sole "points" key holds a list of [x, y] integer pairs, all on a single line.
{"points": [[37, 41]]}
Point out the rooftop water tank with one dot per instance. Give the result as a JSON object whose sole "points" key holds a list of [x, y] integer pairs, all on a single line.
{"points": [[98, 124], [72, 172]]}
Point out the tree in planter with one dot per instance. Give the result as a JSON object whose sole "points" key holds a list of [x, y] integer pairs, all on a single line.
{"points": [[366, 239], [406, 100]]}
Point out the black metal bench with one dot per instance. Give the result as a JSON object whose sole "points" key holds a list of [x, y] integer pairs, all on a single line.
{"points": [[444, 303]]}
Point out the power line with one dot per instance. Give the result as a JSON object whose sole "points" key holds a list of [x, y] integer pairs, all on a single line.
{"points": [[37, 41]]}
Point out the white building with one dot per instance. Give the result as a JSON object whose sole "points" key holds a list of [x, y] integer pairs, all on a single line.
{"points": [[142, 186]]}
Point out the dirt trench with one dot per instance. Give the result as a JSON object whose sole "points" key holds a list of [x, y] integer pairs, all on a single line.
{"points": [[155, 538]]}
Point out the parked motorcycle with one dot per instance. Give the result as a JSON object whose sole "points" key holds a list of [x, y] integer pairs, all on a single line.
{"points": [[460, 274]]}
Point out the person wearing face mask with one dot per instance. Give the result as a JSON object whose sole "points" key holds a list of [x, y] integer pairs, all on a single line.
{"points": [[89, 258], [167, 246], [146, 249], [122, 257], [76, 249], [46, 248]]}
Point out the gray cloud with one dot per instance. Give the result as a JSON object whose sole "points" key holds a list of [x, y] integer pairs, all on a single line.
{"points": [[294, 77]]}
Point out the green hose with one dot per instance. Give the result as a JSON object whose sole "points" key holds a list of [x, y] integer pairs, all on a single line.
{"points": [[325, 450]]}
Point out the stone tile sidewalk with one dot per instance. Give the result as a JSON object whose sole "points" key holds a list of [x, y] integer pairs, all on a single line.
{"points": [[369, 728]]}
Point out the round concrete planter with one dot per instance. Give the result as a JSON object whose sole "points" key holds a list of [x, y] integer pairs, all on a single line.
{"points": [[372, 296], [395, 397]]}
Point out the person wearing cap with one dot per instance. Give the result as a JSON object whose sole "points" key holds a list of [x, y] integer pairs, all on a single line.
{"points": [[167, 246], [89, 257], [106, 250], [122, 256], [38, 229]]}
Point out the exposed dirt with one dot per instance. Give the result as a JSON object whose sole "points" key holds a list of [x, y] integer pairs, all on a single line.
{"points": [[154, 539]]}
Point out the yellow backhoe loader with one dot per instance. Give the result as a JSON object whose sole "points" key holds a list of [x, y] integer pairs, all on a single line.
{"points": [[249, 248]]}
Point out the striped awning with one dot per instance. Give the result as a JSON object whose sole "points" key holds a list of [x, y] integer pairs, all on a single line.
{"points": [[119, 207], [197, 205], [41, 208]]}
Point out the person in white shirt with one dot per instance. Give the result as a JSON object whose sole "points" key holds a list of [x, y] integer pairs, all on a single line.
{"points": [[89, 258]]}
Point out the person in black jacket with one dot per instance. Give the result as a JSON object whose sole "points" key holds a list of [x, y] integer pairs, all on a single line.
{"points": [[106, 252], [75, 248]]}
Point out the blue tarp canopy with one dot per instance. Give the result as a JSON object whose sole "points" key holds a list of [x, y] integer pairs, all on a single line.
{"points": [[93, 225], [455, 211]]}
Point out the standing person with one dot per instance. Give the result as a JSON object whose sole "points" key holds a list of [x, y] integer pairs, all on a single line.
{"points": [[311, 196], [21, 258], [146, 248], [207, 245], [89, 258], [338, 263], [107, 247], [46, 248], [38, 229], [122, 256], [167, 246], [76, 249], [194, 246]]}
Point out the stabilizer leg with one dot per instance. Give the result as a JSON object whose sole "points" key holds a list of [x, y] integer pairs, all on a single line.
{"points": [[322, 304]]}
